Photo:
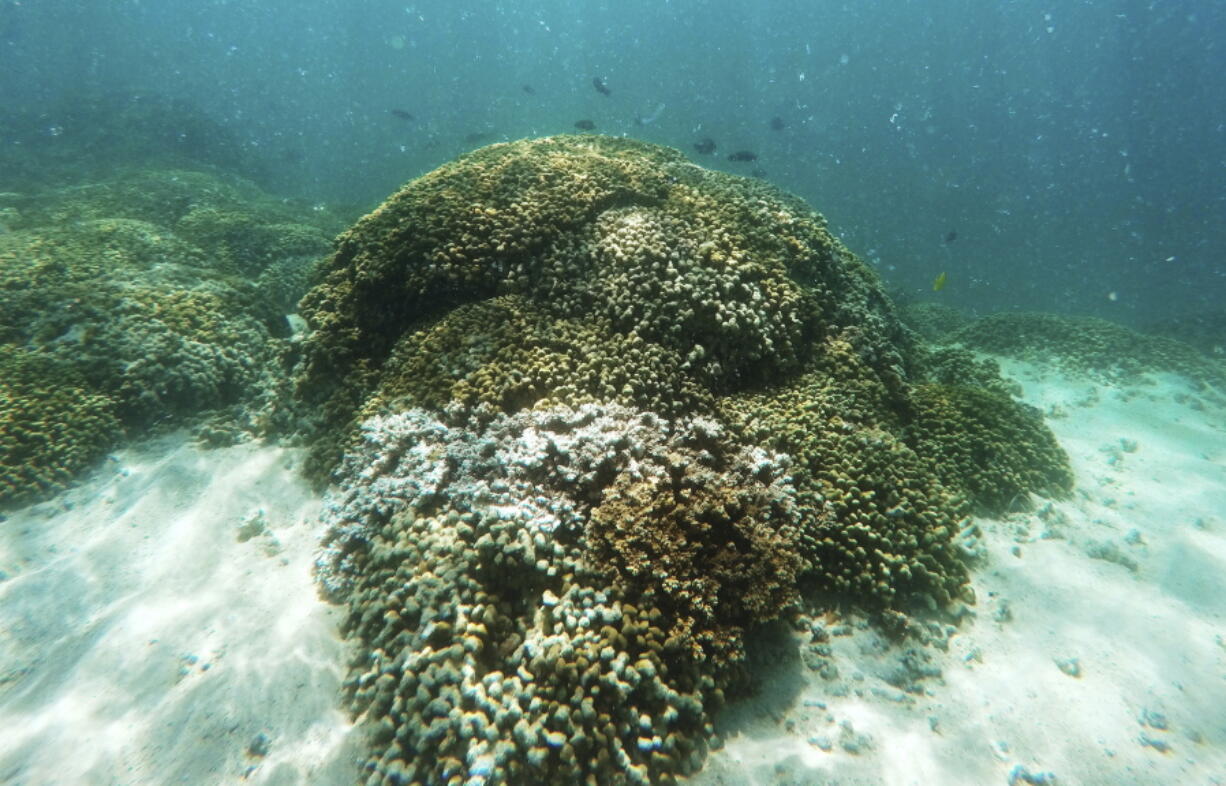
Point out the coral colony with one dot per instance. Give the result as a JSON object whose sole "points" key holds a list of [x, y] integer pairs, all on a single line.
{"points": [[590, 413]]}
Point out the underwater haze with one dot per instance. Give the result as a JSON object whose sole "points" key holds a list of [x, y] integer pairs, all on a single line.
{"points": [[1068, 156], [635, 393]]}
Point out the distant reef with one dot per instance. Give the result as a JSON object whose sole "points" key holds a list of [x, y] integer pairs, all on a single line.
{"points": [[1193, 346], [1205, 330], [88, 136], [149, 300], [590, 413]]}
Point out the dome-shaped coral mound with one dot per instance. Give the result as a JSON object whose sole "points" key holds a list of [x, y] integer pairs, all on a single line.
{"points": [[593, 412], [725, 279]]}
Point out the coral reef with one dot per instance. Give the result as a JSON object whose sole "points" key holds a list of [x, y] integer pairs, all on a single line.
{"points": [[504, 354], [156, 296], [137, 312], [949, 365], [933, 321], [1204, 330], [52, 425], [1087, 346], [730, 275], [878, 525], [85, 135], [592, 414], [239, 225], [987, 446], [492, 644]]}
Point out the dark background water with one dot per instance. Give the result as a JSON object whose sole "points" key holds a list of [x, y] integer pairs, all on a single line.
{"points": [[1077, 149]]}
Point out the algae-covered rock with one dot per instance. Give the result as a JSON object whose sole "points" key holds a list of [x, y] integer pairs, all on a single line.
{"points": [[593, 413]]}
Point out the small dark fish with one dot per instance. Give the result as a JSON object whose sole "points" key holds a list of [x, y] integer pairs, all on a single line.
{"points": [[706, 146], [474, 138], [743, 155], [601, 87], [400, 114], [777, 124], [951, 236], [529, 89], [585, 125]]}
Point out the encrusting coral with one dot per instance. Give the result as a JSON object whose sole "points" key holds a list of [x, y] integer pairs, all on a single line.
{"points": [[592, 413]]}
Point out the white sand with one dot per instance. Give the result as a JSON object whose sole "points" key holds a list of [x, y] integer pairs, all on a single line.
{"points": [[143, 643], [1146, 626]]}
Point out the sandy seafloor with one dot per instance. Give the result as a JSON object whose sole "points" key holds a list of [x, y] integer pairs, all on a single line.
{"points": [[158, 625]]}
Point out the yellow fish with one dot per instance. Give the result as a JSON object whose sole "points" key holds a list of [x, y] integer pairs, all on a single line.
{"points": [[940, 282]]}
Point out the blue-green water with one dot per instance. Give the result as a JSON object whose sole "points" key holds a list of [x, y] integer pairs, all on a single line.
{"points": [[571, 441], [1077, 150]]}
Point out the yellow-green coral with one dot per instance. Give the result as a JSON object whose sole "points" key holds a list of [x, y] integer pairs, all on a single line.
{"points": [[933, 321], [137, 313], [462, 678], [877, 524], [247, 243], [718, 553], [201, 201], [987, 446], [948, 365], [490, 350], [1087, 346], [505, 354], [730, 275], [53, 425], [144, 325]]}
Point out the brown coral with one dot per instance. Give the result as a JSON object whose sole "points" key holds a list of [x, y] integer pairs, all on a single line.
{"points": [[731, 277], [597, 413], [717, 552]]}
